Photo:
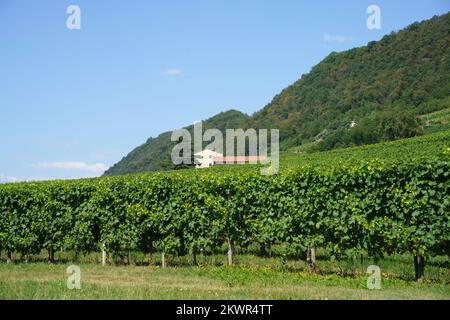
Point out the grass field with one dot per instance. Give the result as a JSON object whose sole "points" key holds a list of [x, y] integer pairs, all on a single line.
{"points": [[252, 278]]}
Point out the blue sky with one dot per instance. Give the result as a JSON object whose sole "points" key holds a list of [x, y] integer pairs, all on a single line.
{"points": [[74, 102]]}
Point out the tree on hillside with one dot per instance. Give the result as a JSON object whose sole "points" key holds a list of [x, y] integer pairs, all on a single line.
{"points": [[399, 125]]}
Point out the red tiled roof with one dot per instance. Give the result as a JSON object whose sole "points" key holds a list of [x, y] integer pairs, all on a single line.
{"points": [[239, 159]]}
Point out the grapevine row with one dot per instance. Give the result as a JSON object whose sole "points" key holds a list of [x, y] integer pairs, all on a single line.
{"points": [[373, 207]]}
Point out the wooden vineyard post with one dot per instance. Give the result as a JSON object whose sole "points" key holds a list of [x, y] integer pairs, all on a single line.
{"points": [[103, 255], [419, 265], [163, 259], [230, 252], [311, 258], [150, 255], [51, 255], [194, 257]]}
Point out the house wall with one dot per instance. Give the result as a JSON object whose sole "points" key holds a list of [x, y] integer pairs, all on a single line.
{"points": [[205, 158]]}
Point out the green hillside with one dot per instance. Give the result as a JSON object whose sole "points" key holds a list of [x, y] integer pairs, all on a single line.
{"points": [[437, 121], [154, 155], [420, 148], [423, 147], [406, 72], [383, 87]]}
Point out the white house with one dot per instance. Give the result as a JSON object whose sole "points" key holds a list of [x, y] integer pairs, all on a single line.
{"points": [[208, 158], [205, 158]]}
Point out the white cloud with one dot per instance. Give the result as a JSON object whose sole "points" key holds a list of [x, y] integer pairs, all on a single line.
{"points": [[173, 72], [7, 179], [336, 38], [96, 168]]}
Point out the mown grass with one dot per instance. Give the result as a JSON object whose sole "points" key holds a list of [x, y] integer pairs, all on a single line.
{"points": [[252, 278]]}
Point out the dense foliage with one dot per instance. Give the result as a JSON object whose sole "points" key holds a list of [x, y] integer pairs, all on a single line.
{"points": [[365, 206], [407, 71], [383, 87]]}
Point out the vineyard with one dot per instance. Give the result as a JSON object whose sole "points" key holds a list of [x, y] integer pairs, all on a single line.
{"points": [[421, 147], [361, 206]]}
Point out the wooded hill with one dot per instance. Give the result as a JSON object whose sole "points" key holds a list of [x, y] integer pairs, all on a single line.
{"points": [[383, 86]]}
